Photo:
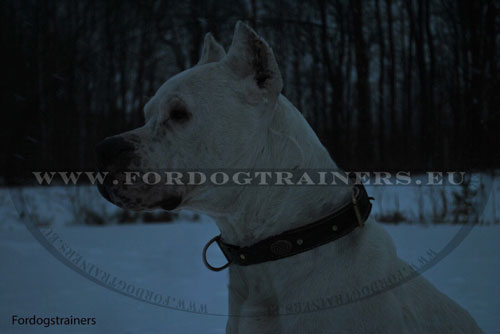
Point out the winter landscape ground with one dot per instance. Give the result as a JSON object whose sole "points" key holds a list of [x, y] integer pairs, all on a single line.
{"points": [[166, 258]]}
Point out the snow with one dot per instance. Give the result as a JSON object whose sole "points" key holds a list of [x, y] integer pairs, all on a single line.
{"points": [[166, 258]]}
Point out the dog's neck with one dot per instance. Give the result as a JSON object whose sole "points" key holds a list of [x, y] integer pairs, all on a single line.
{"points": [[256, 213]]}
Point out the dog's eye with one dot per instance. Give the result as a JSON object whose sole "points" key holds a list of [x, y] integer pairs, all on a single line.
{"points": [[180, 115]]}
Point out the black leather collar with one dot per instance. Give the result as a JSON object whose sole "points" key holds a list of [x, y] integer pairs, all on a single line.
{"points": [[327, 229]]}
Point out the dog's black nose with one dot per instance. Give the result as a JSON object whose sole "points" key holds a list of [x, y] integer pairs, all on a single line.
{"points": [[114, 151]]}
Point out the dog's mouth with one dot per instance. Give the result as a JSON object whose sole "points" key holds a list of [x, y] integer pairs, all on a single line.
{"points": [[170, 203], [137, 200]]}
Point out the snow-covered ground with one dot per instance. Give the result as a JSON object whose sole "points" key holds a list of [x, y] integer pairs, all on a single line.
{"points": [[166, 259]]}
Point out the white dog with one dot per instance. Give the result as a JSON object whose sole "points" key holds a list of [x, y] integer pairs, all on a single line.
{"points": [[227, 112]]}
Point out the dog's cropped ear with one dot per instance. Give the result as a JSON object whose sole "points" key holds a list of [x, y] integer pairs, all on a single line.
{"points": [[212, 51], [250, 56]]}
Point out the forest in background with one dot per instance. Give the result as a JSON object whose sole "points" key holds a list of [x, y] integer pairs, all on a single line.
{"points": [[386, 84]]}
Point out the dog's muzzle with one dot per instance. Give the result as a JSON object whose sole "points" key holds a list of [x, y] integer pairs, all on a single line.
{"points": [[116, 155], [113, 155]]}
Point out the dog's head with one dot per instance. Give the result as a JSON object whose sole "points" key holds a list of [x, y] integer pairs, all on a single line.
{"points": [[210, 116]]}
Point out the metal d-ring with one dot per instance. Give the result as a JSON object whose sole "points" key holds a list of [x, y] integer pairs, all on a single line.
{"points": [[208, 265]]}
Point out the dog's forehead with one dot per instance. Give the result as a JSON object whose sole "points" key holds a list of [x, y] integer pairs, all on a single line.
{"points": [[187, 83], [192, 80]]}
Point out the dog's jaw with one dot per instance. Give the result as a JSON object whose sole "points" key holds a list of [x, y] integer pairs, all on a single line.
{"points": [[138, 202]]}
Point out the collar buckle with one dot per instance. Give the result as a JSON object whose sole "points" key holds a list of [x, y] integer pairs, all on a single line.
{"points": [[355, 193]]}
